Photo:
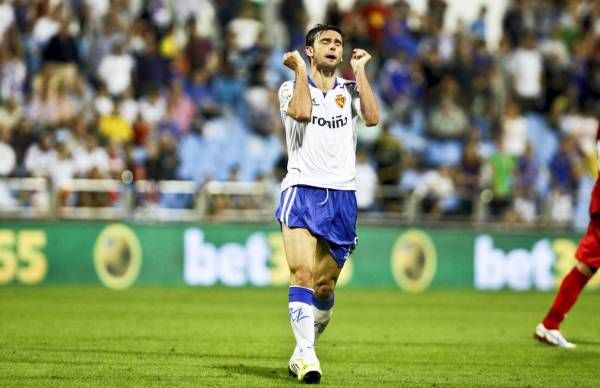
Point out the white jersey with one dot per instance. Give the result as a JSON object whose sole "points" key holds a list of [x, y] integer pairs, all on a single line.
{"points": [[322, 152]]}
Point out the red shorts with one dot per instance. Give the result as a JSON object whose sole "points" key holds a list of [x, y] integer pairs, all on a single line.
{"points": [[588, 251]]}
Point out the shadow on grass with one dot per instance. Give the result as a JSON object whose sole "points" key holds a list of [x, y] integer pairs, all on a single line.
{"points": [[577, 341], [258, 371], [144, 353]]}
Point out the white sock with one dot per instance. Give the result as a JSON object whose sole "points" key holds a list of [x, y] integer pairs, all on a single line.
{"points": [[322, 318], [322, 310], [302, 320]]}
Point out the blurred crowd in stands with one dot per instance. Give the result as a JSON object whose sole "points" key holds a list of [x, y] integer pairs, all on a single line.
{"points": [[187, 90]]}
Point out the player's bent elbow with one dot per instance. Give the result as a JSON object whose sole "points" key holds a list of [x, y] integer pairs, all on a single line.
{"points": [[300, 116], [372, 122]]}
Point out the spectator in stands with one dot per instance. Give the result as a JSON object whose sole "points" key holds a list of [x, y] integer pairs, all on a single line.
{"points": [[556, 80], [375, 14], [397, 35], [117, 159], [464, 69], [200, 91], [128, 107], [526, 73], [47, 24], [60, 108], [142, 131], [498, 175], [228, 89], [436, 193], [518, 19], [199, 50], [11, 113], [366, 181], [153, 107], [163, 161], [41, 156], [90, 159], [565, 166], [103, 102], [581, 126], [554, 47], [483, 104], [63, 171], [8, 157], [294, 19], [7, 164], [399, 83], [116, 70], [150, 69], [12, 70], [7, 17], [478, 27], [61, 57], [115, 128], [448, 120], [526, 179], [388, 152], [468, 177], [514, 130], [245, 27], [180, 108], [108, 34], [22, 137], [262, 103]]}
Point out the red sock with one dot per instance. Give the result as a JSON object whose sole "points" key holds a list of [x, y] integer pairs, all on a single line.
{"points": [[566, 297]]}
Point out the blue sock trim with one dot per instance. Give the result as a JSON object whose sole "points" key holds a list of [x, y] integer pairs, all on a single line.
{"points": [[301, 294], [323, 304]]}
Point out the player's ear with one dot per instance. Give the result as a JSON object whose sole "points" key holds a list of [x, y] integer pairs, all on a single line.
{"points": [[309, 51]]}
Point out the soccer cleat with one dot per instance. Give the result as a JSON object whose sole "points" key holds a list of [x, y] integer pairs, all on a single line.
{"points": [[307, 372], [552, 337]]}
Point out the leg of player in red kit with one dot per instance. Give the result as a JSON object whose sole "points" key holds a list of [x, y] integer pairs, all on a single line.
{"points": [[572, 285], [588, 255]]}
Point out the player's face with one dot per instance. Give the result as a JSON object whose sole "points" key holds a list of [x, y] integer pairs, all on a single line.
{"points": [[327, 49]]}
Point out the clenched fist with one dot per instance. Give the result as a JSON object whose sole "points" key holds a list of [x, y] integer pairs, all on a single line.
{"points": [[294, 60], [359, 59]]}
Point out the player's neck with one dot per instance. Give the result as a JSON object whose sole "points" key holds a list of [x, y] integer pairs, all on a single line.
{"points": [[324, 79]]}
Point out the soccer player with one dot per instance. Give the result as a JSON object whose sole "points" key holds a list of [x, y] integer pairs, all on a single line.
{"points": [[317, 209], [588, 261]]}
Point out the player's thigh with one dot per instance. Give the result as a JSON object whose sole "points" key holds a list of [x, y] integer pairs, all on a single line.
{"points": [[326, 272], [300, 247]]}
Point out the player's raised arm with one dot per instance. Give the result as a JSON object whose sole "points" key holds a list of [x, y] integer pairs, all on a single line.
{"points": [[368, 103], [300, 104]]}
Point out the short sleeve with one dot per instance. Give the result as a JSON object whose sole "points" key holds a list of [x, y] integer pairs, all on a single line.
{"points": [[285, 95], [352, 88]]}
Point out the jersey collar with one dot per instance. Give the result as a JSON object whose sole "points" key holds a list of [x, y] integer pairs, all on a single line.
{"points": [[312, 83]]}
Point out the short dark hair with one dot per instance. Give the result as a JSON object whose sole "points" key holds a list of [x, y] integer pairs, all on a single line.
{"points": [[311, 35]]}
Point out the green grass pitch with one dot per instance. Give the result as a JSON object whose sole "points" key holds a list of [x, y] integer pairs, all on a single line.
{"points": [[217, 337]]}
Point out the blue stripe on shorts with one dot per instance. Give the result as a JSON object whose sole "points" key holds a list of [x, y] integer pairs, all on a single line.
{"points": [[326, 213]]}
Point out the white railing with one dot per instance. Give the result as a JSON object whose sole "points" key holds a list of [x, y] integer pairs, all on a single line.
{"points": [[141, 200], [110, 199], [24, 197]]}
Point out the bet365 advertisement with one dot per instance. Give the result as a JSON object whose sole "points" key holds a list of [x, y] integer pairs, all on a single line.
{"points": [[119, 256]]}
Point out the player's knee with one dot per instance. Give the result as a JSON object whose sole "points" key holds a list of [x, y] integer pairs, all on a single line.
{"points": [[324, 290], [301, 276], [586, 269]]}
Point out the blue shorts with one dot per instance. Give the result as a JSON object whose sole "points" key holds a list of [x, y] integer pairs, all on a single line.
{"points": [[326, 213]]}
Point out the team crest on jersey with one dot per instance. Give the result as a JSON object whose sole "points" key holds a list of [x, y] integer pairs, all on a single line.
{"points": [[340, 100]]}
